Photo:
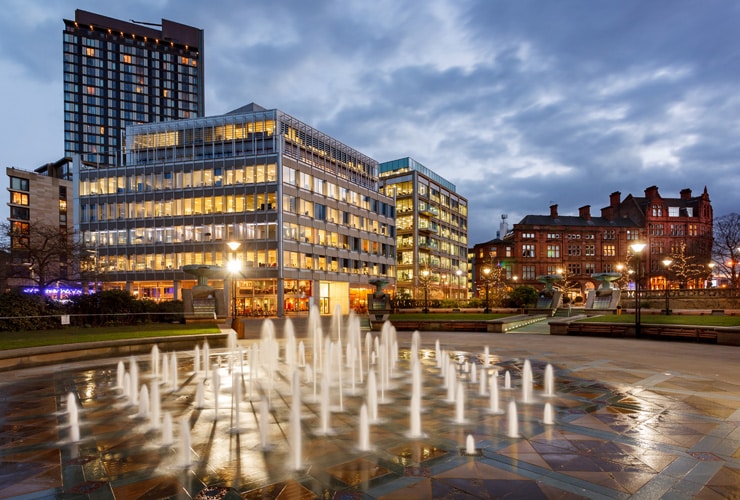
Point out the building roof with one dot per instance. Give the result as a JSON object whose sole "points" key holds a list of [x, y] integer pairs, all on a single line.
{"points": [[252, 107], [574, 221]]}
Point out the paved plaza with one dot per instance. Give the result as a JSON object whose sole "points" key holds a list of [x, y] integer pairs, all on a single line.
{"points": [[632, 418]]}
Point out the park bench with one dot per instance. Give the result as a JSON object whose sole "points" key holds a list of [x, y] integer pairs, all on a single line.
{"points": [[679, 332], [464, 326], [598, 329]]}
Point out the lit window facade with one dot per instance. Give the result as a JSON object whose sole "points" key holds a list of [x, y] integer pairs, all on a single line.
{"points": [[432, 226], [37, 201], [602, 244], [306, 209], [118, 73]]}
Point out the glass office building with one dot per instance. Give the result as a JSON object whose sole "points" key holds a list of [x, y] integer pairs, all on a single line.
{"points": [[432, 231], [306, 210], [118, 73]]}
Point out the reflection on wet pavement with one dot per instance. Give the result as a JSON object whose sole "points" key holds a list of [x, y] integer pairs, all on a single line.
{"points": [[620, 430]]}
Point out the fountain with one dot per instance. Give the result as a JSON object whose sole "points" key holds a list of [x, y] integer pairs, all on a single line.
{"points": [[605, 297], [185, 453], [364, 434], [513, 421], [549, 298], [470, 445], [460, 404], [527, 382], [203, 302], [493, 396], [74, 419], [549, 381], [548, 417], [415, 410], [282, 379], [379, 302]]}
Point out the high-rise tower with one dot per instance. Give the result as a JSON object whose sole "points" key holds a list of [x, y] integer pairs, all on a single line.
{"points": [[118, 73]]}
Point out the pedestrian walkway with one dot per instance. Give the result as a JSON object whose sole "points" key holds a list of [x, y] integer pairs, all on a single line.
{"points": [[631, 418]]}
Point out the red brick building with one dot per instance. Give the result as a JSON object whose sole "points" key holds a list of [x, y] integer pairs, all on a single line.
{"points": [[583, 245]]}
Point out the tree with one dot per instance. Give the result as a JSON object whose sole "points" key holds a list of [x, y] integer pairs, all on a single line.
{"points": [[726, 247], [41, 253], [566, 285], [523, 296], [683, 267]]}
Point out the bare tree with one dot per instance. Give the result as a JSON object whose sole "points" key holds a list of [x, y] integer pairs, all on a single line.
{"points": [[566, 284], [40, 253], [726, 247]]}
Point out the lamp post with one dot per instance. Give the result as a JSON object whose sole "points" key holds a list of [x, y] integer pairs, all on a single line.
{"points": [[637, 249], [667, 263], [458, 273], [234, 266], [425, 277], [486, 282], [711, 275]]}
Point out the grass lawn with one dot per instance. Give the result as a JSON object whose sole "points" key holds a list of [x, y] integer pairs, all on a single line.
{"points": [[446, 316], [75, 335], [672, 319]]}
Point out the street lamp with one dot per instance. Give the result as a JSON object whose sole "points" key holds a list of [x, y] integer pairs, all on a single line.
{"points": [[486, 281], [425, 277], [667, 263], [458, 273], [234, 266], [637, 249]]}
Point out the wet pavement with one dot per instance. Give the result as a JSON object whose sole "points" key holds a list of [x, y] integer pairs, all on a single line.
{"points": [[631, 418]]}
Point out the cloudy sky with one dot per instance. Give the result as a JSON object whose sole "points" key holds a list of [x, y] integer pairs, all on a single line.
{"points": [[519, 103]]}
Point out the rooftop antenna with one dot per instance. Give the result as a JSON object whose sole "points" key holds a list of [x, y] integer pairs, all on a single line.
{"points": [[145, 23]]}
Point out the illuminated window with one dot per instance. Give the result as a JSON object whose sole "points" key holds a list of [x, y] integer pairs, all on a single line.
{"points": [[127, 58], [17, 198], [553, 251], [609, 250]]}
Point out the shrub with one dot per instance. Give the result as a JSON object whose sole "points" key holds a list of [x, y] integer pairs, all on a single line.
{"points": [[20, 311]]}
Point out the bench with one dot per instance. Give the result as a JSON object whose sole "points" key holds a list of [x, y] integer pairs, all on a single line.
{"points": [[464, 326], [679, 332], [598, 329], [437, 325]]}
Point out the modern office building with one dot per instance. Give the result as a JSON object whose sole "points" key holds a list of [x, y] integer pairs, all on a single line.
{"points": [[40, 220], [432, 231], [306, 210], [579, 246], [118, 73]]}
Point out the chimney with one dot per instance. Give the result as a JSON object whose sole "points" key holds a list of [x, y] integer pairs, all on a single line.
{"points": [[615, 199], [585, 212], [686, 194], [651, 192], [554, 211]]}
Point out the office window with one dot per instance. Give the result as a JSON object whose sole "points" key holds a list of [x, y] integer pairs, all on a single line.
{"points": [[609, 250], [553, 251], [528, 251]]}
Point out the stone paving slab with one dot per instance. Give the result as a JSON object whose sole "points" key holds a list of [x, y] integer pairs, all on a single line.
{"points": [[632, 418]]}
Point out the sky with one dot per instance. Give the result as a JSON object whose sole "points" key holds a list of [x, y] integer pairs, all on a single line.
{"points": [[521, 104]]}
